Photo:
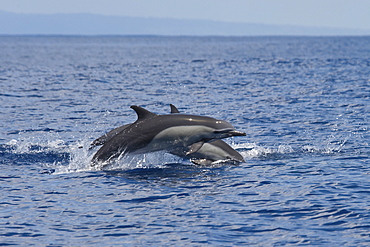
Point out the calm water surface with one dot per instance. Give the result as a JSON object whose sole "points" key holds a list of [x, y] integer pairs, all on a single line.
{"points": [[303, 102]]}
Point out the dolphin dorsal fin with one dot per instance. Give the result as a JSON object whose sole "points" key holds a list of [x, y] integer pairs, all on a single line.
{"points": [[174, 109], [142, 113]]}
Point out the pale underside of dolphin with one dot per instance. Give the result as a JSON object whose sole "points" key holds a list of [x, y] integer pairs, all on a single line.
{"points": [[152, 132], [212, 151]]}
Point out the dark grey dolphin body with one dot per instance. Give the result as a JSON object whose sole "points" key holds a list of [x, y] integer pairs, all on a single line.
{"points": [[152, 132], [106, 137]]}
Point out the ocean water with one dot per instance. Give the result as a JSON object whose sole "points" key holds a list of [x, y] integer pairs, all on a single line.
{"points": [[304, 103]]}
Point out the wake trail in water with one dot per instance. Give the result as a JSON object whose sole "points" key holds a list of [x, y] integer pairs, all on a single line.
{"points": [[56, 156], [283, 151]]}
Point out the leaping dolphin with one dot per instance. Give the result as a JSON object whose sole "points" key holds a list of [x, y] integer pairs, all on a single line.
{"points": [[152, 132]]}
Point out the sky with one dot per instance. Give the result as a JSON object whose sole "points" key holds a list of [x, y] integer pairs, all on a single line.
{"points": [[354, 14]]}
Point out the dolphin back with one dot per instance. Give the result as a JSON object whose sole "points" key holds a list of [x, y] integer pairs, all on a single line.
{"points": [[106, 137]]}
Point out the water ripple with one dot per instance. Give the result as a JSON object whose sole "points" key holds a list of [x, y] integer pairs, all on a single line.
{"points": [[303, 102]]}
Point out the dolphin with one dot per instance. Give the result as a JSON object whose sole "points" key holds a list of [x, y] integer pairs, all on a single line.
{"points": [[212, 151], [215, 150], [152, 132]]}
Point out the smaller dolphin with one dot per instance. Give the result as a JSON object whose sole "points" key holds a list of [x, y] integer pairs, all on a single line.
{"points": [[215, 150], [212, 151], [152, 132]]}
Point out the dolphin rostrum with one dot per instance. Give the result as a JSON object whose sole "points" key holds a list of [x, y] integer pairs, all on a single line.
{"points": [[152, 132]]}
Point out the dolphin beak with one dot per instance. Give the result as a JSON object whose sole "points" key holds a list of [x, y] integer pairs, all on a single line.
{"points": [[236, 133], [230, 132]]}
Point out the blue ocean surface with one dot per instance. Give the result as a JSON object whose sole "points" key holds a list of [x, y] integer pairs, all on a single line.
{"points": [[304, 103]]}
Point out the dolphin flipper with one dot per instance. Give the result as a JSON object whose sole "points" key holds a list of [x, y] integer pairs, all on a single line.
{"points": [[194, 147]]}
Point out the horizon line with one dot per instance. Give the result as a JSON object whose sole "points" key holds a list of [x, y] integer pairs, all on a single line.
{"points": [[199, 20]]}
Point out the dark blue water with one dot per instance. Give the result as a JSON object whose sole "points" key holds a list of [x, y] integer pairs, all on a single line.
{"points": [[303, 102]]}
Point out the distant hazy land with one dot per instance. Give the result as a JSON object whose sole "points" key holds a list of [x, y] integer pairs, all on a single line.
{"points": [[93, 24]]}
